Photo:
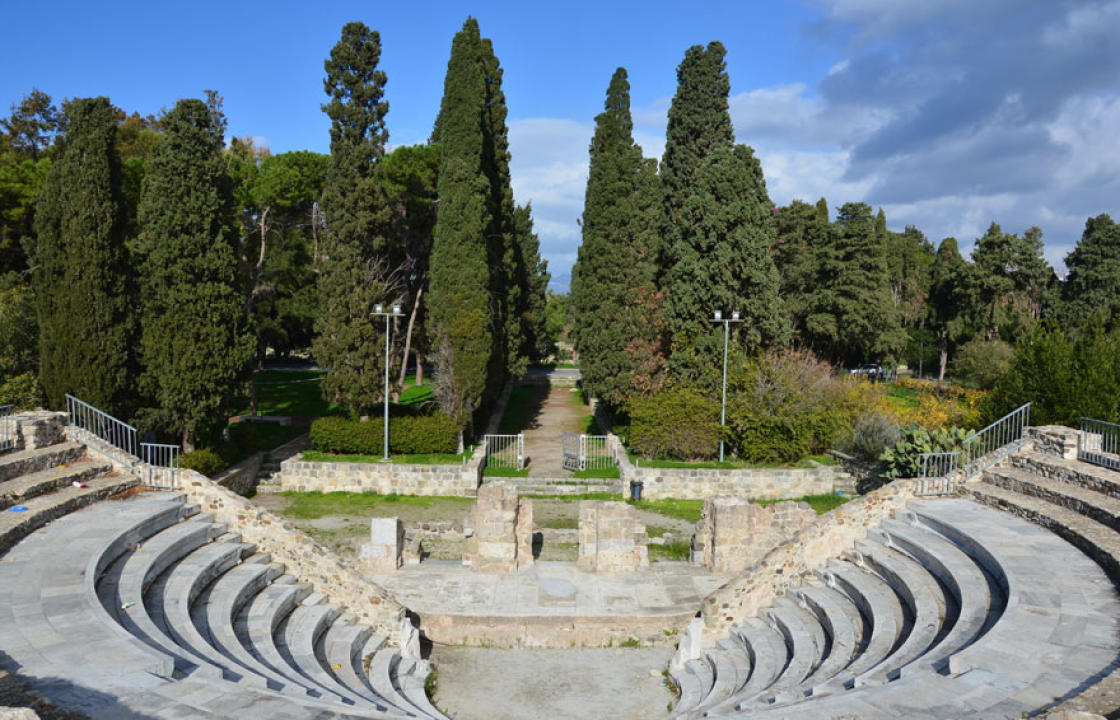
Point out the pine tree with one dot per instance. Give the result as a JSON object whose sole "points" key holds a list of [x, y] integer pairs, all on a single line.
{"points": [[1093, 283], [853, 319], [723, 263], [357, 271], [461, 321], [613, 282], [195, 344], [802, 235], [82, 276], [948, 300], [1012, 284], [699, 123]]}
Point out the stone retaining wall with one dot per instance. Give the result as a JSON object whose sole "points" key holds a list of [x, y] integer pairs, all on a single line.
{"points": [[242, 477], [734, 533], [809, 550], [1054, 440], [39, 428], [299, 475]]}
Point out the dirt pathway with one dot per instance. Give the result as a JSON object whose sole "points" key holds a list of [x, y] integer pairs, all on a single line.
{"points": [[561, 412]]}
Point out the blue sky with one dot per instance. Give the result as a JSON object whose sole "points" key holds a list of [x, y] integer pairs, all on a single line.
{"points": [[948, 114]]}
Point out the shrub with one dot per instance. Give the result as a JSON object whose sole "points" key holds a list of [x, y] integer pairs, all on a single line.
{"points": [[982, 362], [872, 435], [20, 390], [204, 461], [409, 435], [901, 459], [676, 422]]}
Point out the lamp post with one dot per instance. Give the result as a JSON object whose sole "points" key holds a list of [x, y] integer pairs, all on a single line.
{"points": [[379, 310], [718, 317]]}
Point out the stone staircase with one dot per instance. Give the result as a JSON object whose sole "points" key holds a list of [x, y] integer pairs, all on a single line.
{"points": [[270, 464], [141, 606], [562, 486], [949, 610]]}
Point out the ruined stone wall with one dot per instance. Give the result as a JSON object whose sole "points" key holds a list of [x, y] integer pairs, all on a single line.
{"points": [[808, 550], [299, 475], [611, 538], [734, 533], [1054, 440], [39, 428], [502, 530]]}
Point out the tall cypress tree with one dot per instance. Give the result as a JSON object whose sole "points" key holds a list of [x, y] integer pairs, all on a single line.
{"points": [[355, 274], [948, 300], [195, 345], [723, 263], [535, 343], [801, 238], [699, 123], [1093, 283], [461, 321], [613, 282], [82, 274]]}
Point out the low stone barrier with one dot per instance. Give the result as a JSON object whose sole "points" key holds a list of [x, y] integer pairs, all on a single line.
{"points": [[242, 477], [611, 537], [788, 564], [502, 537], [734, 533], [299, 475], [1054, 440], [39, 428]]}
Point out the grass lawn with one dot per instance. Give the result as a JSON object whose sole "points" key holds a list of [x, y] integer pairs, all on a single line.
{"points": [[610, 473], [820, 503], [524, 404], [311, 505], [428, 459], [673, 507], [575, 497], [299, 392], [678, 550], [504, 472]]}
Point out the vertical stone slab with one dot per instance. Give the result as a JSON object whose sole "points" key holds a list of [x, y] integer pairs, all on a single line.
{"points": [[611, 538], [385, 550], [40, 428], [502, 539], [524, 533]]}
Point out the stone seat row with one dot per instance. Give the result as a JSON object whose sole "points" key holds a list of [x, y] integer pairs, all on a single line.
{"points": [[143, 607], [950, 610]]}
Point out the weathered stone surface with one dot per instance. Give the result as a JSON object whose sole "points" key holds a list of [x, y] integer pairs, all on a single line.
{"points": [[1054, 440], [385, 550], [11, 713], [611, 538], [734, 533], [299, 475], [502, 530], [40, 428]]}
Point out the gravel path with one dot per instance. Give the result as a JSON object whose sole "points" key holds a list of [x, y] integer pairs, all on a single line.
{"points": [[544, 436], [620, 684]]}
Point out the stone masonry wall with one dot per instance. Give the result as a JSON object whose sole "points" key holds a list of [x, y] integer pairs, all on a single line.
{"points": [[299, 475], [242, 477], [1054, 440], [611, 538], [734, 533], [301, 556], [39, 428], [503, 527], [786, 565], [755, 483]]}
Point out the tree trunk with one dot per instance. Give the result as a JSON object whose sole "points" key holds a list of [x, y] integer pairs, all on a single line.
{"points": [[944, 353], [188, 441], [419, 369], [408, 339]]}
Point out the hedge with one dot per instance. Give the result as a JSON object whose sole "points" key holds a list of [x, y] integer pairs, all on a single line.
{"points": [[421, 434], [680, 423]]}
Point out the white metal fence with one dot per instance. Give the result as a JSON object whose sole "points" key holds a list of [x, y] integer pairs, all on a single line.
{"points": [[1099, 443], [156, 464], [980, 451], [505, 451], [586, 452], [7, 428]]}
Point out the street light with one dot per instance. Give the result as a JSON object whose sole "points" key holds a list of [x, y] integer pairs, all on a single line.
{"points": [[379, 310], [718, 317]]}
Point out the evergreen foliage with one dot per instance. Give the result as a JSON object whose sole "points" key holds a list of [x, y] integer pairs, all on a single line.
{"points": [[613, 294], [195, 342], [536, 345], [802, 234], [909, 258], [354, 275], [723, 263], [82, 277], [948, 300], [1012, 284], [1093, 284]]}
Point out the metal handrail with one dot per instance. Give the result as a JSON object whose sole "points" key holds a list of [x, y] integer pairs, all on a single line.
{"points": [[7, 428], [980, 451], [161, 464], [156, 464], [935, 472], [1099, 443]]}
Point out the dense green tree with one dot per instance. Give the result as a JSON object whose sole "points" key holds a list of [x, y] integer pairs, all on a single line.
{"points": [[1093, 284], [196, 344], [613, 294], [948, 300], [853, 318], [462, 326], [19, 344], [699, 123], [82, 275], [354, 274], [723, 263], [1012, 284], [536, 345], [32, 125], [909, 257], [801, 235]]}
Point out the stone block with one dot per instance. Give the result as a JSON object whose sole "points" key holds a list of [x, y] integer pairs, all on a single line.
{"points": [[14, 713], [40, 428], [385, 550], [611, 538], [501, 537]]}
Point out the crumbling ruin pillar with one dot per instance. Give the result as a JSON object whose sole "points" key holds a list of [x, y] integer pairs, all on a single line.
{"points": [[385, 550], [611, 538], [503, 530], [734, 533]]}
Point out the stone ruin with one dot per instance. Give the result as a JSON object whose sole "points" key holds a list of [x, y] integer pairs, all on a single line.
{"points": [[502, 538], [734, 533], [611, 538], [385, 550]]}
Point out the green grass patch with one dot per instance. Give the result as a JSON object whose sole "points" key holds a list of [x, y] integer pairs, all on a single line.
{"points": [[505, 472], [524, 403], [311, 505], [820, 503], [673, 507], [416, 394], [299, 392], [576, 496], [426, 459], [731, 464], [656, 531], [679, 550], [563, 523], [579, 399], [602, 474]]}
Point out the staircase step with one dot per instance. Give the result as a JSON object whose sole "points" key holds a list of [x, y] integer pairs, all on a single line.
{"points": [[25, 462], [1105, 509], [843, 622], [25, 487]]}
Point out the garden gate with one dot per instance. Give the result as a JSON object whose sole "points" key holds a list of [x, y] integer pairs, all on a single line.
{"points": [[505, 451], [586, 452]]}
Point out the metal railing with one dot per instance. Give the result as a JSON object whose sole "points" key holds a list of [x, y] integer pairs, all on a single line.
{"points": [[505, 451], [1099, 443], [587, 452], [156, 464], [8, 428], [980, 451]]}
